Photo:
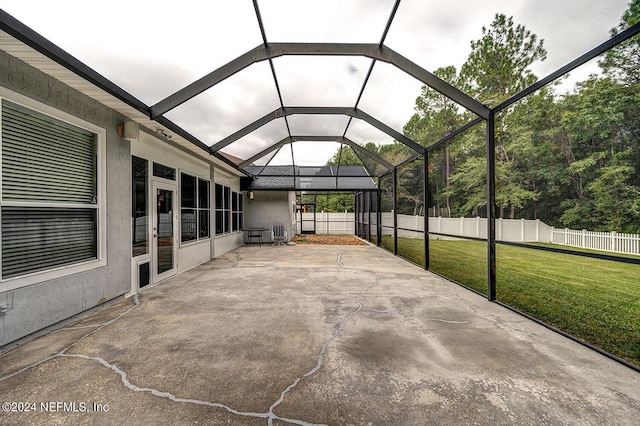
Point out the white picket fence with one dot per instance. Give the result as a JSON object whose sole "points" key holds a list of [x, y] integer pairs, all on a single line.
{"points": [[605, 241], [512, 230]]}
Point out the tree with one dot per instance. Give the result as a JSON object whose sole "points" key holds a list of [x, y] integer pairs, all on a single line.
{"points": [[623, 62], [498, 65], [344, 156], [410, 188], [602, 121], [571, 160], [496, 69], [470, 180], [536, 146], [339, 202], [615, 200], [436, 116]]}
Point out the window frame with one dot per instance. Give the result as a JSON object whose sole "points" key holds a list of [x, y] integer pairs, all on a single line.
{"points": [[226, 211], [147, 190], [7, 284], [219, 209], [201, 209], [237, 211], [196, 208]]}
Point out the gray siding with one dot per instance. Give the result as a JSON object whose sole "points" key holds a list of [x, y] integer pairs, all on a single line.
{"points": [[37, 306]]}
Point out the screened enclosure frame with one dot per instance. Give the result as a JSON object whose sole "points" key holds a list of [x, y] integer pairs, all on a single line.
{"points": [[377, 52], [268, 51]]}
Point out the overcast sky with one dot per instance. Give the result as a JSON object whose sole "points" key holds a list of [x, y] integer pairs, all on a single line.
{"points": [[154, 48]]}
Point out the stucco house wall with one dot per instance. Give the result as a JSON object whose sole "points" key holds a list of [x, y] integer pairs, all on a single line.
{"points": [[30, 305], [33, 307], [270, 208]]}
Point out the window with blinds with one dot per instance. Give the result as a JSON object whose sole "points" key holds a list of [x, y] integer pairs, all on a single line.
{"points": [[49, 192]]}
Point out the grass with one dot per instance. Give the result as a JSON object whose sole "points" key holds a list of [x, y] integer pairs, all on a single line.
{"points": [[585, 250], [596, 300]]}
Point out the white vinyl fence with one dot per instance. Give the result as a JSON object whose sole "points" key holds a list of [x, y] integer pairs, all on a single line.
{"points": [[512, 230], [531, 231], [606, 241], [329, 223]]}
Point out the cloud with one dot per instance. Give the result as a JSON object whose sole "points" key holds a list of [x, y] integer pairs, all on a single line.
{"points": [[339, 21], [153, 49]]}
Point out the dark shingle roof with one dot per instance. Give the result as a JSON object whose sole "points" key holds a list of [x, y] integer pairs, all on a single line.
{"points": [[324, 178]]}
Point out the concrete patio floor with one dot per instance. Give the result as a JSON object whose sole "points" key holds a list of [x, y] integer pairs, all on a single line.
{"points": [[304, 335]]}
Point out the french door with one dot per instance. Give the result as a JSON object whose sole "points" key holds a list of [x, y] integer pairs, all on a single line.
{"points": [[164, 221]]}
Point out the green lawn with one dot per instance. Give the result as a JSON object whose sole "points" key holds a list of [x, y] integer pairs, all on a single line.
{"points": [[595, 300]]}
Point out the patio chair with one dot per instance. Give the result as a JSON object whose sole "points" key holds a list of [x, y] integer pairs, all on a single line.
{"points": [[278, 235]]}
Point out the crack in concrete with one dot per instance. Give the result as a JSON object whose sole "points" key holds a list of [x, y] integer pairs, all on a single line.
{"points": [[29, 367], [162, 394], [411, 314], [340, 254], [272, 415], [446, 321], [81, 327], [442, 320], [375, 282], [336, 332], [334, 335], [379, 311], [136, 300], [474, 309], [236, 260]]}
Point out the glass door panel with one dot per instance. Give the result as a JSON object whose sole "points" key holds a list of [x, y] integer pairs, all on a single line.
{"points": [[164, 216], [165, 237]]}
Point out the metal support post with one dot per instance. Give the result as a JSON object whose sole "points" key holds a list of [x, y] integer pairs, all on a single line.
{"points": [[356, 214], [379, 221], [395, 210], [491, 207], [425, 198], [369, 203]]}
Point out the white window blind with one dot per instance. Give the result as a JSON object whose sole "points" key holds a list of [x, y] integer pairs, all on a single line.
{"points": [[46, 161], [37, 239]]}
